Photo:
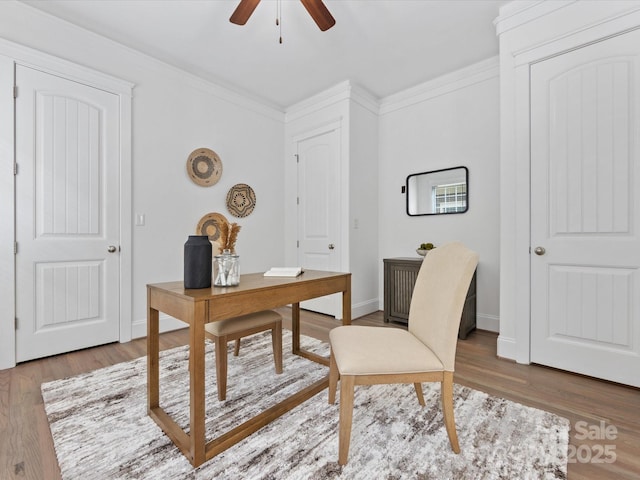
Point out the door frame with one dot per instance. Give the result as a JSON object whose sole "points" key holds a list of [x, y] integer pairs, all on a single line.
{"points": [[11, 54], [515, 182]]}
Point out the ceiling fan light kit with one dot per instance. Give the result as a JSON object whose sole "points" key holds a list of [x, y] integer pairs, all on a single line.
{"points": [[316, 8]]}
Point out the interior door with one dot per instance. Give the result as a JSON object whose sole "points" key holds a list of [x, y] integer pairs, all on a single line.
{"points": [[67, 215], [319, 212], [585, 210]]}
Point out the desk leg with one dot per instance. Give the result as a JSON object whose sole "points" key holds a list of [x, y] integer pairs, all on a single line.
{"points": [[196, 372], [153, 356], [295, 327], [346, 305]]}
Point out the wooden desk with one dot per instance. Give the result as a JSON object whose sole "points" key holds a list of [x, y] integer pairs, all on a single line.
{"points": [[198, 307]]}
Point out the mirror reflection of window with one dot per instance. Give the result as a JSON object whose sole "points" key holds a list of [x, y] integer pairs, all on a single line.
{"points": [[438, 192], [450, 198]]}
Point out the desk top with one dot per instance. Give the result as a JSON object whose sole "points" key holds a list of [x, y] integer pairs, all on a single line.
{"points": [[255, 292], [248, 283]]}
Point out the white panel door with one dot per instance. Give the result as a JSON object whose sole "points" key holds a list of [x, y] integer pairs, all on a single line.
{"points": [[585, 210], [319, 212], [67, 204]]}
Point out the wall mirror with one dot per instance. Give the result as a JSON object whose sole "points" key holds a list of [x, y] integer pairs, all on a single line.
{"points": [[438, 192]]}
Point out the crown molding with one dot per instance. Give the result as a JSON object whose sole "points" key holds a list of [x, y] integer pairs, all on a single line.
{"points": [[205, 85], [38, 60], [517, 13], [465, 77], [345, 90]]}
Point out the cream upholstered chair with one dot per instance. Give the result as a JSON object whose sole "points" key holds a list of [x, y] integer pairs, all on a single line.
{"points": [[363, 355], [224, 331]]}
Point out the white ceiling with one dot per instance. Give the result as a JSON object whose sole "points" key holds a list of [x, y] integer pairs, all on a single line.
{"points": [[384, 46]]}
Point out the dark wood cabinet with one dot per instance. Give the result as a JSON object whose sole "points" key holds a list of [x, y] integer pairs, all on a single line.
{"points": [[399, 279]]}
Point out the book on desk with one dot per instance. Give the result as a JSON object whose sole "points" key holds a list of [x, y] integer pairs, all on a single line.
{"points": [[283, 272]]}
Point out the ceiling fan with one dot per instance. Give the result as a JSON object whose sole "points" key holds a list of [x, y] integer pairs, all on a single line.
{"points": [[316, 9]]}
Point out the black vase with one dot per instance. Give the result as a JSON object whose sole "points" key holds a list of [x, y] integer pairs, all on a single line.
{"points": [[197, 262]]}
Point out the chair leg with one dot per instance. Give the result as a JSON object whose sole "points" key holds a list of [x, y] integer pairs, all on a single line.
{"points": [[346, 417], [418, 387], [334, 375], [276, 343], [236, 349], [221, 367], [447, 410]]}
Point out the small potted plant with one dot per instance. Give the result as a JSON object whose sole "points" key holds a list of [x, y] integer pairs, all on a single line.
{"points": [[424, 248]]}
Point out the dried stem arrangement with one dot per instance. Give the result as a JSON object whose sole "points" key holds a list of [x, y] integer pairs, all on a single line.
{"points": [[229, 236]]}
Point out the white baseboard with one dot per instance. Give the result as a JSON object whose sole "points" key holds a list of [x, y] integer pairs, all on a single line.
{"points": [[506, 347], [483, 322], [488, 322], [167, 324], [364, 308]]}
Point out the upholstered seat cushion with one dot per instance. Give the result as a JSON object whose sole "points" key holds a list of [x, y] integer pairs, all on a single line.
{"points": [[361, 350], [244, 322]]}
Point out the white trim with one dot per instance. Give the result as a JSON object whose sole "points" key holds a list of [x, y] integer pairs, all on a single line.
{"points": [[243, 100], [506, 347], [522, 232], [214, 87], [365, 99], [57, 66], [167, 324], [463, 78], [7, 216], [361, 309], [12, 54], [126, 221], [317, 102], [488, 322], [517, 13], [320, 129], [580, 38], [342, 91]]}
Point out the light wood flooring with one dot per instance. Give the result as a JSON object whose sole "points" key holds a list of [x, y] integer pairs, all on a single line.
{"points": [[26, 447]]}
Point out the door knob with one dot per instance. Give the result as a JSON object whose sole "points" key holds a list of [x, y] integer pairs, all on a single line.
{"points": [[539, 251], [331, 246], [111, 248]]}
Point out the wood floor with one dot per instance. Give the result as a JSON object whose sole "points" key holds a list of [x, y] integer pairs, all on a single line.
{"points": [[26, 447]]}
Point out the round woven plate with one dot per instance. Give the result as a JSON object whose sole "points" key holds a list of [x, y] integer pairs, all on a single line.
{"points": [[210, 225], [241, 200], [204, 167]]}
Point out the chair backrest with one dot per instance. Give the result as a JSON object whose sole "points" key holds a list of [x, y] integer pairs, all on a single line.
{"points": [[438, 299]]}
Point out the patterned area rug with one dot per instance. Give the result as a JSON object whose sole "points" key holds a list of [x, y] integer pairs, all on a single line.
{"points": [[101, 430]]}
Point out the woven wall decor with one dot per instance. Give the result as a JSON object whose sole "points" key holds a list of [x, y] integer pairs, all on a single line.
{"points": [[241, 200], [204, 167], [210, 225]]}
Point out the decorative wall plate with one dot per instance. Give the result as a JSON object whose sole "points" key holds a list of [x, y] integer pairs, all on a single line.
{"points": [[241, 200], [204, 167], [210, 225]]}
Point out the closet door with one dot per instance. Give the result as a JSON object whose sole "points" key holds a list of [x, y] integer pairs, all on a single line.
{"points": [[67, 215], [585, 210], [319, 212]]}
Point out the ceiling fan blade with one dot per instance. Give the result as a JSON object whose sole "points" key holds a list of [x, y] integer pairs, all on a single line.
{"points": [[319, 13], [243, 11]]}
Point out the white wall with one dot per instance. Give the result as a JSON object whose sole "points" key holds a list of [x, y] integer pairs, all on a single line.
{"points": [[363, 206], [173, 114], [451, 121], [446, 122]]}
